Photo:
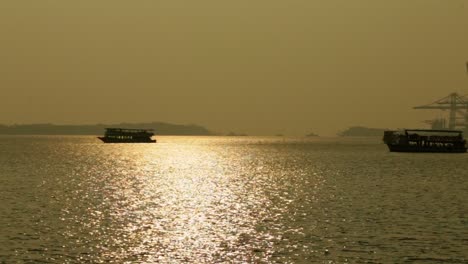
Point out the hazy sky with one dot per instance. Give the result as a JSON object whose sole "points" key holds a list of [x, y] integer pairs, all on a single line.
{"points": [[253, 66]]}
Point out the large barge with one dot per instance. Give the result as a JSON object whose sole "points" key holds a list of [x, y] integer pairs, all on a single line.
{"points": [[123, 135], [422, 140]]}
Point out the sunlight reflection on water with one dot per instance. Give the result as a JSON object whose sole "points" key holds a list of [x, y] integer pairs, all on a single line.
{"points": [[180, 202]]}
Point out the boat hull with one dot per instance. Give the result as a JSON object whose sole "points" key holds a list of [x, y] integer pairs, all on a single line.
{"points": [[134, 140], [403, 148]]}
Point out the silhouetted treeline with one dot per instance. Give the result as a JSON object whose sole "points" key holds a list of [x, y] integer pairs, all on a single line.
{"points": [[51, 129], [359, 131]]}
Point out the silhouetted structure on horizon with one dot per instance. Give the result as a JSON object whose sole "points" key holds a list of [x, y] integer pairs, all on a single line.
{"points": [[458, 115]]}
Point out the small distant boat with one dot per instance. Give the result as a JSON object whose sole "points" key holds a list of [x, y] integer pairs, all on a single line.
{"points": [[423, 140], [123, 135]]}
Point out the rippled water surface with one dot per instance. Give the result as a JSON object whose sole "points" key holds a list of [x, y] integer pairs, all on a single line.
{"points": [[229, 200]]}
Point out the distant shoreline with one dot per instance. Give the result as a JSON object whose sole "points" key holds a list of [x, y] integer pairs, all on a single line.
{"points": [[161, 128], [360, 131], [98, 129]]}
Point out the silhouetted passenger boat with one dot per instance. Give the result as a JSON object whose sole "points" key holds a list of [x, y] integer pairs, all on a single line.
{"points": [[421, 140], [122, 135]]}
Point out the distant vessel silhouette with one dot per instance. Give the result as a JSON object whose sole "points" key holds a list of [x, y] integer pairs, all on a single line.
{"points": [[423, 140], [122, 135]]}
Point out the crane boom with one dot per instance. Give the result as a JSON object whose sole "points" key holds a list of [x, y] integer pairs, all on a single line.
{"points": [[457, 104]]}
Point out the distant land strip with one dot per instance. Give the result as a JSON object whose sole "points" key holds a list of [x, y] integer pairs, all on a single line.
{"points": [[98, 129], [360, 131]]}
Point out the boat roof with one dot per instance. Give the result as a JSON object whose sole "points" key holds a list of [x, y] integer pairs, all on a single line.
{"points": [[128, 129], [436, 131]]}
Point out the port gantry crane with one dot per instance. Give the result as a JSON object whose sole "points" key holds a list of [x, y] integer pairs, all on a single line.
{"points": [[458, 107]]}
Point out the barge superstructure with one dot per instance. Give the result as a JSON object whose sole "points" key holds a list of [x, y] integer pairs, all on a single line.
{"points": [[424, 140], [123, 135]]}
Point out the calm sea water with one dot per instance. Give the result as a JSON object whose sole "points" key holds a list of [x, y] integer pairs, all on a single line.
{"points": [[229, 200]]}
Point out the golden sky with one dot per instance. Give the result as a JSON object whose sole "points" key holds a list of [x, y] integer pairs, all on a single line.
{"points": [[253, 66]]}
